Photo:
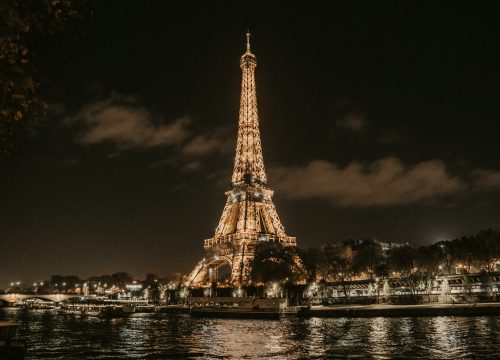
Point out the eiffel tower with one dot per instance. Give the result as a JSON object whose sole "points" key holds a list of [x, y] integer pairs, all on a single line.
{"points": [[249, 216]]}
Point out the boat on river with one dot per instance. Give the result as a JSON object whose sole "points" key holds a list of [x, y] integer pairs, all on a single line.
{"points": [[238, 307], [118, 311], [69, 311], [102, 311], [145, 308]]}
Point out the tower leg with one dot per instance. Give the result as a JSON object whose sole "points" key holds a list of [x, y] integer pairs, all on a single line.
{"points": [[242, 264], [237, 263], [199, 274]]}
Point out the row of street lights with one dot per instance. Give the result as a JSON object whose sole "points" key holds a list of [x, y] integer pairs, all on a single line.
{"points": [[41, 283]]}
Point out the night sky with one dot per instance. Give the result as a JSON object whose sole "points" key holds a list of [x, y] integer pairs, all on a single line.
{"points": [[378, 120]]}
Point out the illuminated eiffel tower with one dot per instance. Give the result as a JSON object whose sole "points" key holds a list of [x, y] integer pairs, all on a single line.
{"points": [[249, 216]]}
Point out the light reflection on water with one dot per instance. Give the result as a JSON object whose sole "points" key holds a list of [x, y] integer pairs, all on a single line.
{"points": [[162, 336]]}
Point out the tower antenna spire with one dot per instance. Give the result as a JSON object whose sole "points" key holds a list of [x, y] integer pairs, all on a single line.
{"points": [[248, 40]]}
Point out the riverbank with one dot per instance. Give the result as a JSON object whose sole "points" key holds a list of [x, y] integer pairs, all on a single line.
{"points": [[342, 311], [173, 309], [384, 310], [235, 313], [331, 311]]}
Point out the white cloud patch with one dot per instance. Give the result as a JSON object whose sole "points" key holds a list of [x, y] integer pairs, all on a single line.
{"points": [[386, 182], [120, 121]]}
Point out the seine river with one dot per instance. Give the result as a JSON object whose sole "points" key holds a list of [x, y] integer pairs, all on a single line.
{"points": [[163, 336]]}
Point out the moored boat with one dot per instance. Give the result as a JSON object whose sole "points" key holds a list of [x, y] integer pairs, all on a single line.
{"points": [[69, 311], [238, 307], [235, 313], [115, 311], [145, 308]]}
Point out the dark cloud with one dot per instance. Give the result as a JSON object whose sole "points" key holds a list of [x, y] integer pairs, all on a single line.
{"points": [[192, 166], [219, 140], [120, 121], [349, 115], [392, 137], [352, 121], [201, 145], [486, 180], [386, 182]]}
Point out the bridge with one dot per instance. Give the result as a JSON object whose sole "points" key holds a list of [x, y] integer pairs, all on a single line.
{"points": [[14, 297]]}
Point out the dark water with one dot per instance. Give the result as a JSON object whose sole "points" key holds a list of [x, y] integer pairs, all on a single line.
{"points": [[162, 336]]}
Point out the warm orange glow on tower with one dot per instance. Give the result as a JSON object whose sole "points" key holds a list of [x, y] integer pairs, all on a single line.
{"points": [[249, 215]]}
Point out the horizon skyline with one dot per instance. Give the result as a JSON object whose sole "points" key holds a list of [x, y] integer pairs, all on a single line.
{"points": [[143, 277]]}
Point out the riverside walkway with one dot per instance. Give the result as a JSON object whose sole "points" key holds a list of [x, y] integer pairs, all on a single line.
{"points": [[386, 310]]}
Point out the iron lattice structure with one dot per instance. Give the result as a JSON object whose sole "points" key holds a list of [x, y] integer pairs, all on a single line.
{"points": [[249, 216]]}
